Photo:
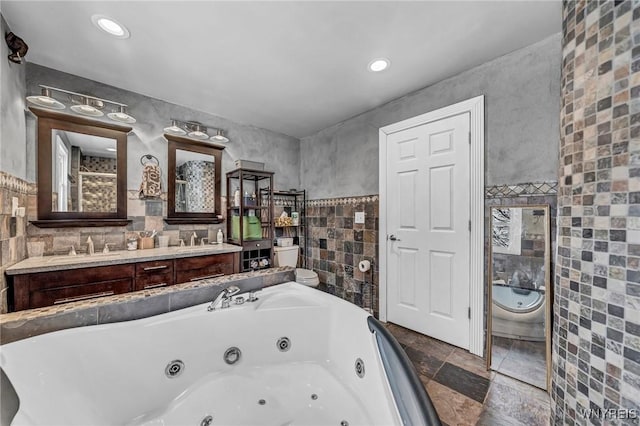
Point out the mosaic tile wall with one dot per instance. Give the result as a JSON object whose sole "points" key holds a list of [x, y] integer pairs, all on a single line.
{"points": [[337, 245], [198, 192], [596, 348], [12, 229]]}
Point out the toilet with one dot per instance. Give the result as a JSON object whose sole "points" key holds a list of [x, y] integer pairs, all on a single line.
{"points": [[288, 256]]}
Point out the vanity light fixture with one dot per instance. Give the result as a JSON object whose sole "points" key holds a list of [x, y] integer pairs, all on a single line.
{"points": [[196, 130], [379, 64], [110, 26], [87, 109], [219, 137], [86, 105], [122, 116], [45, 100], [174, 129]]}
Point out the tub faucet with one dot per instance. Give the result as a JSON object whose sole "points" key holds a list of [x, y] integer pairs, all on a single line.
{"points": [[224, 296]]}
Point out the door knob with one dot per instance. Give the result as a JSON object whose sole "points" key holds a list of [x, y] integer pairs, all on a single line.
{"points": [[393, 238]]}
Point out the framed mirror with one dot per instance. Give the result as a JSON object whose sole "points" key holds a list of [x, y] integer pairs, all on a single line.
{"points": [[82, 171], [519, 338], [194, 176]]}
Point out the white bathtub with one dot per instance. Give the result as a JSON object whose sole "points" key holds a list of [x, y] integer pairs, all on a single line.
{"points": [[115, 374]]}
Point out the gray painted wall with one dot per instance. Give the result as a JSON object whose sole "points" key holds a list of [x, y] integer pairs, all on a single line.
{"points": [[12, 117], [522, 104], [280, 153]]}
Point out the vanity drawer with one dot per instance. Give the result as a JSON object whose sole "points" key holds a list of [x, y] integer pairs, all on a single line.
{"points": [[76, 293], [55, 287], [197, 268], [154, 267]]}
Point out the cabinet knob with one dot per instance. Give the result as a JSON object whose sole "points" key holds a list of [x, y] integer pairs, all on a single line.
{"points": [[257, 244]]}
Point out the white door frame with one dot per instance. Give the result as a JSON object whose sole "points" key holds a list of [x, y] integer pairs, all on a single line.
{"points": [[475, 107]]}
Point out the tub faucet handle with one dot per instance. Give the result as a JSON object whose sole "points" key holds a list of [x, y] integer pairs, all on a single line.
{"points": [[224, 298]]}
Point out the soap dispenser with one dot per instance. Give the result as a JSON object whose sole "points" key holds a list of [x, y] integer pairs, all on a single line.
{"points": [[220, 237]]}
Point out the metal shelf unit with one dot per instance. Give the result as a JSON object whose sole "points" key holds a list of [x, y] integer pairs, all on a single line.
{"points": [[256, 201]]}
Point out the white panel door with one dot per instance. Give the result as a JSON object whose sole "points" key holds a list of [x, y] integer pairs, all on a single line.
{"points": [[428, 212]]}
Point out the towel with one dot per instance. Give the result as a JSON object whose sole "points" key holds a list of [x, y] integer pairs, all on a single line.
{"points": [[150, 185]]}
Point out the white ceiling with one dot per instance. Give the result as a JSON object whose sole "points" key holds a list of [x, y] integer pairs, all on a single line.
{"points": [[292, 67]]}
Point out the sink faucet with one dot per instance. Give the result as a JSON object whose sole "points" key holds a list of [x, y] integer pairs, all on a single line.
{"points": [[224, 296], [193, 239], [90, 250]]}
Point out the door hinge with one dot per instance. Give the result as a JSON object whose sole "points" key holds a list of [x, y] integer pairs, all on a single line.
{"points": [[469, 312], [469, 226], [469, 138]]}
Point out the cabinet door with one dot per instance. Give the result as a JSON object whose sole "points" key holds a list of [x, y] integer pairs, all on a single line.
{"points": [[201, 267], [75, 293]]}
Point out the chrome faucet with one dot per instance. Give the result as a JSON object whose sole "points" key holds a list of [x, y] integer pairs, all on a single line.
{"points": [[193, 239], [90, 249], [224, 298]]}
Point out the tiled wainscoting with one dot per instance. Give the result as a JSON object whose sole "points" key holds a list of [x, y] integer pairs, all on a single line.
{"points": [[337, 245], [13, 232]]}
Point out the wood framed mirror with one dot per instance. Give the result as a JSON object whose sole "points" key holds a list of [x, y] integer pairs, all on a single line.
{"points": [[194, 176], [519, 314], [82, 171]]}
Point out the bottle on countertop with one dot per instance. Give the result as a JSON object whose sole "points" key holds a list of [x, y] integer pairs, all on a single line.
{"points": [[220, 237]]}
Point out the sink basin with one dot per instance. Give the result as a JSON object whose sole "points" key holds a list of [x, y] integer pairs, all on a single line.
{"points": [[83, 258]]}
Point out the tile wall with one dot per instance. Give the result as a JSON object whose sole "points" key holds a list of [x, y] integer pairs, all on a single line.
{"points": [[145, 215], [13, 234], [596, 348], [337, 245]]}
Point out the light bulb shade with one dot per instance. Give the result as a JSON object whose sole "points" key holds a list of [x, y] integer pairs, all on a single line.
{"points": [[198, 134], [219, 137], [121, 116], [174, 129], [197, 131], [86, 109], [45, 100]]}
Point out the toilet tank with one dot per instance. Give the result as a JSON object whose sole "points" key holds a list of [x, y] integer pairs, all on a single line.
{"points": [[286, 256]]}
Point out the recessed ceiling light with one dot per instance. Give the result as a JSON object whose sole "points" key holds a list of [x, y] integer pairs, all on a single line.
{"points": [[110, 26], [379, 64]]}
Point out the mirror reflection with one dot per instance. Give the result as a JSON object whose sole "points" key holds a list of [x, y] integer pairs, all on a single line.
{"points": [[195, 182], [519, 281], [84, 173]]}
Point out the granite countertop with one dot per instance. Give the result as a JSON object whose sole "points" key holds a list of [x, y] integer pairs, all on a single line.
{"points": [[58, 263]]}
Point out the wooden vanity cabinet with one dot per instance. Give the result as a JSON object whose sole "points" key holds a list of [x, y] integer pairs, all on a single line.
{"points": [[71, 285], [36, 290]]}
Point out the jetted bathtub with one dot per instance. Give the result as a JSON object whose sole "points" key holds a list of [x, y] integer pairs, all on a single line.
{"points": [[296, 356]]}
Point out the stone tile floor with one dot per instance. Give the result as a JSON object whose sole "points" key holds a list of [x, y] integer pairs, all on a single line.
{"points": [[464, 392], [520, 359]]}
